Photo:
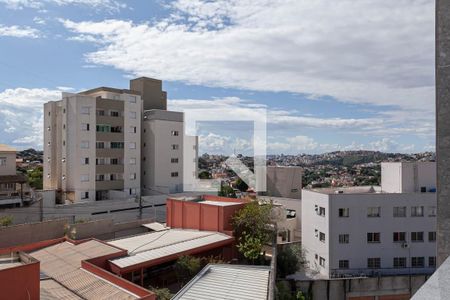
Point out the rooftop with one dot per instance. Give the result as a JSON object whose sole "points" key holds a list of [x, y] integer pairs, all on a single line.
{"points": [[6, 148], [348, 190], [155, 245], [227, 282], [62, 263], [108, 89]]}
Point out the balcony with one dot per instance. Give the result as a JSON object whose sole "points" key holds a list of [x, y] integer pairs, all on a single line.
{"points": [[108, 169], [109, 185]]}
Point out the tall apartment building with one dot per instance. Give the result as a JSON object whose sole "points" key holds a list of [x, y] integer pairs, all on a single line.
{"points": [[92, 145], [162, 152], [373, 230]]}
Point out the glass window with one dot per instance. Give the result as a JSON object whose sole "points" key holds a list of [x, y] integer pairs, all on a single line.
{"points": [[100, 112], [399, 262], [174, 174], [373, 263], [132, 161], [114, 113], [175, 146], [344, 212], [85, 110], [417, 262], [132, 99], [432, 211], [322, 261], [132, 145], [432, 261], [85, 126], [84, 178], [373, 212], [117, 145], [322, 237], [84, 144], [100, 145], [174, 160], [432, 236], [174, 133], [2, 161], [85, 161], [399, 236], [373, 237], [132, 129], [400, 211], [85, 195], [132, 115], [343, 264], [416, 211], [344, 238], [417, 236], [132, 176], [321, 211]]}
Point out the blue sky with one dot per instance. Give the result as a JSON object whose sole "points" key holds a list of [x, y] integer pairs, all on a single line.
{"points": [[332, 75]]}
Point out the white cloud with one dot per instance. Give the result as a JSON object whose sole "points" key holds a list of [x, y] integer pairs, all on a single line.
{"points": [[109, 5], [19, 31], [378, 52], [21, 114]]}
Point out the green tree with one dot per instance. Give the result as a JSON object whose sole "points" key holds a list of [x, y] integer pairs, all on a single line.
{"points": [[204, 175], [161, 293], [251, 229], [227, 191], [241, 185], [289, 260], [283, 292], [6, 220], [35, 177], [187, 267]]}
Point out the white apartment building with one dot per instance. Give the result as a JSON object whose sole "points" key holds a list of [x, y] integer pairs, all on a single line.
{"points": [[92, 145], [162, 152], [373, 230]]}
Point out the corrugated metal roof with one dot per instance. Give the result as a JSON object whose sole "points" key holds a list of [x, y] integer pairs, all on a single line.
{"points": [[230, 282], [52, 290], [219, 203], [160, 244], [62, 262]]}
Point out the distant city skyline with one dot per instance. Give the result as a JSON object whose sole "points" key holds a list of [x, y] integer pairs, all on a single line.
{"points": [[344, 83]]}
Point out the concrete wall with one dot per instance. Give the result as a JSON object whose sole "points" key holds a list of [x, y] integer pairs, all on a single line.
{"points": [[10, 167], [284, 182], [443, 126], [375, 288], [408, 177]]}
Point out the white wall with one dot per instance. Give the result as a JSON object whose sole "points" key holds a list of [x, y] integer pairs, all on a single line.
{"points": [[408, 177], [10, 167]]}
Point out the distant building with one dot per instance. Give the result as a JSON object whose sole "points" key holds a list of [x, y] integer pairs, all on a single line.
{"points": [[408, 177], [11, 183], [284, 182], [370, 231]]}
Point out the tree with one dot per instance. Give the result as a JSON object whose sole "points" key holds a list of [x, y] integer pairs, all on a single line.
{"points": [[204, 175], [227, 191], [241, 185], [251, 229], [6, 220], [187, 267], [289, 260], [161, 293], [35, 177]]}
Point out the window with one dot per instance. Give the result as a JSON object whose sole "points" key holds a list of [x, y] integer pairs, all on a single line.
{"points": [[399, 237], [174, 160], [133, 176], [133, 99], [174, 133], [432, 261], [117, 145], [114, 113], [132, 129], [85, 110], [2, 161], [423, 189], [85, 126], [417, 262], [322, 261], [373, 237], [114, 161], [400, 211], [132, 191], [84, 145], [321, 211], [117, 129], [85, 161], [399, 262], [432, 211], [344, 239], [99, 161], [100, 177], [100, 112], [84, 178], [103, 128], [175, 146], [64, 143], [64, 110], [322, 237], [343, 264], [174, 174], [316, 233], [100, 145], [294, 190], [132, 146], [417, 236], [132, 115], [432, 236], [373, 212], [132, 161], [416, 211], [374, 263], [85, 195], [344, 212]]}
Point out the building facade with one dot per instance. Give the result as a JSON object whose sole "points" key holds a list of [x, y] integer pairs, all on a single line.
{"points": [[284, 182], [92, 145], [364, 231]]}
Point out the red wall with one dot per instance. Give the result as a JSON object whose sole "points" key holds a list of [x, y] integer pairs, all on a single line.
{"points": [[200, 216], [22, 282]]}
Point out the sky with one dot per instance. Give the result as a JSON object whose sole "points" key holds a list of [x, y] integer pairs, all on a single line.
{"points": [[327, 75]]}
